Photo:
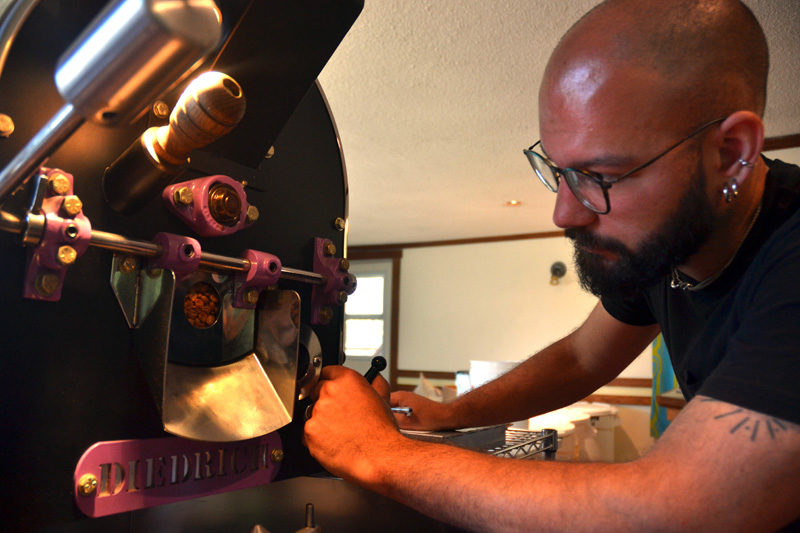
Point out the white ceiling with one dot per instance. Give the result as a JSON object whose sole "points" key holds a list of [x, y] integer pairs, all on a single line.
{"points": [[435, 100]]}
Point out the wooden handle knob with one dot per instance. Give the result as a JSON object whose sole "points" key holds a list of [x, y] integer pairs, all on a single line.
{"points": [[211, 106]]}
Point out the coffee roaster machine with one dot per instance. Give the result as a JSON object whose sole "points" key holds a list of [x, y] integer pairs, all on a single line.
{"points": [[172, 259]]}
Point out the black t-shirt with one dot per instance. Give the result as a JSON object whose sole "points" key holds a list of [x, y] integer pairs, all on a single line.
{"points": [[738, 339]]}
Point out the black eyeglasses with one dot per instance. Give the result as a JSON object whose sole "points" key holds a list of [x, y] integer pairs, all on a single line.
{"points": [[590, 187]]}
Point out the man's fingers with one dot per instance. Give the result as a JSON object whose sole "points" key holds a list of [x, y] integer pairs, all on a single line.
{"points": [[398, 399], [381, 386]]}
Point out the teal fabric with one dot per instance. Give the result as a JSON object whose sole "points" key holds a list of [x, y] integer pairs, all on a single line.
{"points": [[663, 381]]}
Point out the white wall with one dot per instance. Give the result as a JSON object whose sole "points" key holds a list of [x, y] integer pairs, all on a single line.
{"points": [[490, 301], [788, 155]]}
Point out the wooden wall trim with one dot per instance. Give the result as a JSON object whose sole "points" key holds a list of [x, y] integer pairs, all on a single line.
{"points": [[378, 248], [619, 400], [428, 374], [781, 142], [631, 382], [395, 321], [358, 254]]}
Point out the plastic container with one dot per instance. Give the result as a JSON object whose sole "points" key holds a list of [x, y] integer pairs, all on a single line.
{"points": [[583, 429], [567, 443], [603, 419]]}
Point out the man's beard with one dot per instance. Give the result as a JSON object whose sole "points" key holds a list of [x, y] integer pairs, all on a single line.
{"points": [[680, 236]]}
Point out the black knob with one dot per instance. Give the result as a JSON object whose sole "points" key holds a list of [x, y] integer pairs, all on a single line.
{"points": [[378, 364]]}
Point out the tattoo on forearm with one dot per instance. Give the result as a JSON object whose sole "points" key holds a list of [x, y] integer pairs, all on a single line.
{"points": [[753, 423]]}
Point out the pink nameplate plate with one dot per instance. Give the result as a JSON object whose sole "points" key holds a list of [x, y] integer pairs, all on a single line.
{"points": [[125, 475]]}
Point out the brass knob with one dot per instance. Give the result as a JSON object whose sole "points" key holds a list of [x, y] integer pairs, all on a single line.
{"points": [[87, 484], [72, 205], [183, 196], [47, 284], [66, 255], [59, 184]]}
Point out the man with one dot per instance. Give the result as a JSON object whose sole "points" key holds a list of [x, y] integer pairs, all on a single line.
{"points": [[681, 227]]}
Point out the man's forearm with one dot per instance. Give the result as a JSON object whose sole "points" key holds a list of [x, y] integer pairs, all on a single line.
{"points": [[485, 493], [546, 381]]}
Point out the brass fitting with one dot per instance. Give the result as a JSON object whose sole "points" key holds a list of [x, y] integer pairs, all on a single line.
{"points": [[87, 484], [72, 205], [276, 455], [6, 125], [342, 297], [128, 264], [59, 184], [47, 284], [339, 223], [161, 109], [252, 214], [183, 196], [224, 204], [329, 248], [344, 264], [326, 314], [251, 296], [66, 255]]}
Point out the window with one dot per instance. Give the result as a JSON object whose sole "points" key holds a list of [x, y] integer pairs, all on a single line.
{"points": [[367, 314]]}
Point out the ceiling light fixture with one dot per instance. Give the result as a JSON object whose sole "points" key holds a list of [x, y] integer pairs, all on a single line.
{"points": [[513, 203]]}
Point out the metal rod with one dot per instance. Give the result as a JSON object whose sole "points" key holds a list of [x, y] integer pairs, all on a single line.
{"points": [[46, 141], [302, 275], [223, 262], [118, 243]]}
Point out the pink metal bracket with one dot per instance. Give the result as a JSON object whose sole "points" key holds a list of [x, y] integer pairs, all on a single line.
{"points": [[265, 270], [180, 254], [64, 240], [193, 205], [338, 282]]}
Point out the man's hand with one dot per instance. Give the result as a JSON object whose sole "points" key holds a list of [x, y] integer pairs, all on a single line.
{"points": [[349, 424], [426, 415]]}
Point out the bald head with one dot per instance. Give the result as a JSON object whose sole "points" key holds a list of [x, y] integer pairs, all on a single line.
{"points": [[708, 57]]}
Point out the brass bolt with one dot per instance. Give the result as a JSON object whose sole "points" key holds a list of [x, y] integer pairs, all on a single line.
{"points": [[59, 184], [344, 264], [128, 264], [276, 455], [329, 248], [87, 484], [66, 255], [326, 314], [6, 125], [251, 296], [47, 284], [252, 214], [72, 205], [316, 361], [183, 196], [161, 109], [339, 223], [342, 297]]}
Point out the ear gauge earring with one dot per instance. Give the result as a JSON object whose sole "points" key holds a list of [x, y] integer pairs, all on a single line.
{"points": [[731, 190]]}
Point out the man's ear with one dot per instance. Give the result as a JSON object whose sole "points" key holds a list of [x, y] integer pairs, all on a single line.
{"points": [[742, 139]]}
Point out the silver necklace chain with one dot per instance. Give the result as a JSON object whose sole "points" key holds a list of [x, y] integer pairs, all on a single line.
{"points": [[677, 283]]}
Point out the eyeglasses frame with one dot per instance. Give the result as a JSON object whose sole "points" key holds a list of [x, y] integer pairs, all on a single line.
{"points": [[604, 183]]}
